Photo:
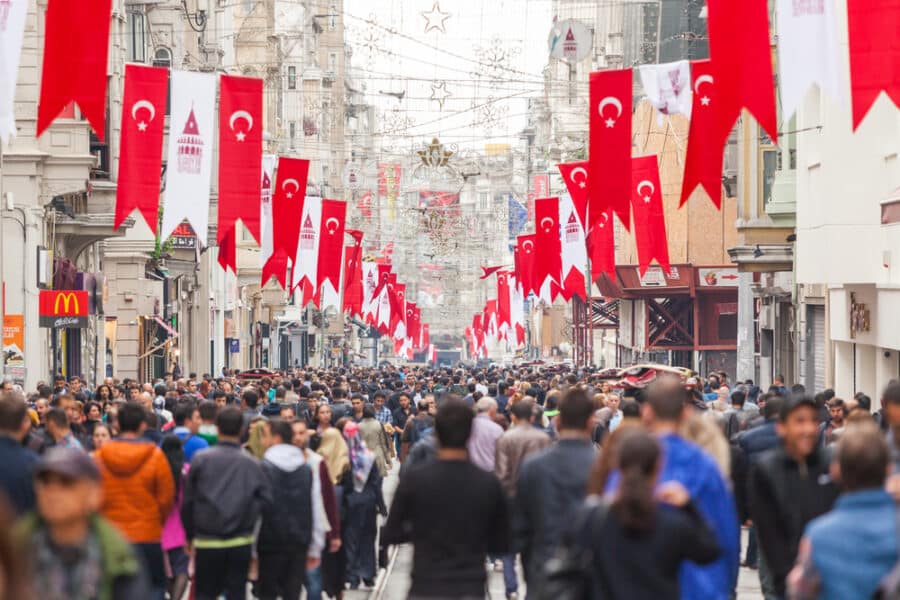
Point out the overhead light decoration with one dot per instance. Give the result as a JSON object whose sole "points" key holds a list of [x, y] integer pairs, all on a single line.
{"points": [[439, 93], [435, 19]]}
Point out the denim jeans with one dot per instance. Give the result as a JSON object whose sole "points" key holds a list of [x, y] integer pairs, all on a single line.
{"points": [[752, 553], [314, 583], [510, 579], [765, 579]]}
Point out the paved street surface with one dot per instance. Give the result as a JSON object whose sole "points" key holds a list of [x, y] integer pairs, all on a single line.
{"points": [[393, 583]]}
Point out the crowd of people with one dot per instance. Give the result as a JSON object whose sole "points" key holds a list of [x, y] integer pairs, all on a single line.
{"points": [[209, 487]]}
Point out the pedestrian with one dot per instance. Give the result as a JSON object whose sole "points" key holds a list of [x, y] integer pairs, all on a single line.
{"points": [[515, 445], [138, 490], [173, 537], [60, 431], [362, 500], [639, 539], [450, 508], [293, 528], [845, 553], [837, 413], [376, 439], [789, 487], [552, 484], [18, 462], [485, 433], [225, 493], [101, 436]]}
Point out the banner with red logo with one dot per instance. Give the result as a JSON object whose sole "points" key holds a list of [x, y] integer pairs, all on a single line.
{"points": [[649, 216], [266, 223], [287, 207], [873, 27], [240, 151], [76, 46], [741, 56], [389, 179], [703, 160], [610, 145], [548, 250], [140, 154], [331, 246], [364, 204], [306, 261]]}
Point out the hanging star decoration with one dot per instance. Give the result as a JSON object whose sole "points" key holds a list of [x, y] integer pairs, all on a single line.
{"points": [[435, 19], [439, 93]]}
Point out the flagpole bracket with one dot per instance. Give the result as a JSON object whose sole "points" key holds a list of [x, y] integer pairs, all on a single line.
{"points": [[196, 20]]}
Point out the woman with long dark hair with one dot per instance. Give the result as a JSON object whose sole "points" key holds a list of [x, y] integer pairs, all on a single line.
{"points": [[648, 529], [173, 536]]}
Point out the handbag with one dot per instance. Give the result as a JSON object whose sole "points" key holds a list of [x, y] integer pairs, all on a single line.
{"points": [[889, 586], [568, 575]]}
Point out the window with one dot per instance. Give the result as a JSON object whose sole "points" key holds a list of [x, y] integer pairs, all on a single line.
{"points": [[292, 78], [484, 201], [293, 131], [332, 17], [163, 58], [332, 63], [99, 149], [136, 40]]}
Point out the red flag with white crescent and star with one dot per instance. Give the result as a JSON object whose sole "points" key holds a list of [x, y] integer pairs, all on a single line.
{"points": [[602, 247], [240, 165], [703, 160], [353, 275], [873, 27], [525, 257], [548, 248], [76, 47], [331, 246], [488, 271], [140, 156], [413, 324], [287, 208], [649, 216], [741, 54], [609, 186], [504, 312], [575, 175]]}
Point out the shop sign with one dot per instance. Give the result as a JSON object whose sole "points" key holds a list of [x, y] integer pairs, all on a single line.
{"points": [[59, 309], [14, 340], [859, 317], [720, 277]]}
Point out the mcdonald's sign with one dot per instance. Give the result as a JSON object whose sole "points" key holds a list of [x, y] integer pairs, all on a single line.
{"points": [[63, 308]]}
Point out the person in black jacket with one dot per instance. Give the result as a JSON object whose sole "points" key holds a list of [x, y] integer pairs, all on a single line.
{"points": [[789, 486], [225, 493], [286, 533], [636, 545]]}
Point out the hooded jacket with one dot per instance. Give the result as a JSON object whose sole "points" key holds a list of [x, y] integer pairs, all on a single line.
{"points": [[297, 516], [138, 489]]}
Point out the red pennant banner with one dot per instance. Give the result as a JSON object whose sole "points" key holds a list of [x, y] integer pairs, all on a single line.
{"points": [[703, 162], [602, 247], [489, 319], [75, 64], [504, 313], [140, 156], [240, 165], [331, 243], [575, 175], [426, 336], [873, 27], [488, 271], [741, 57], [548, 249], [353, 275], [525, 263], [413, 324], [287, 207], [649, 217], [610, 145], [478, 334]]}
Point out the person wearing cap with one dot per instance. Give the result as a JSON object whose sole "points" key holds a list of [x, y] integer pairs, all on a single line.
{"points": [[788, 487], [75, 552]]}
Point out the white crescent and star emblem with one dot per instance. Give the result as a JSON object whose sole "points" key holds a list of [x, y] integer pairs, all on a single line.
{"points": [[704, 99], [605, 220], [610, 101], [527, 245], [583, 183], [547, 227], [646, 196], [296, 185], [142, 125], [331, 225], [240, 114]]}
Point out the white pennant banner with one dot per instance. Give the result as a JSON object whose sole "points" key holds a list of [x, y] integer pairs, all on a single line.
{"points": [[668, 87], [12, 30], [574, 247], [189, 159], [370, 282], [306, 261], [266, 223], [807, 51]]}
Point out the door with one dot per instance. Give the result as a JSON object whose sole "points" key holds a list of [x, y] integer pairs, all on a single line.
{"points": [[816, 348]]}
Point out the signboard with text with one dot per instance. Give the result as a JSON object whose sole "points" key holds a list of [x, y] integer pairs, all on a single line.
{"points": [[14, 339], [59, 309]]}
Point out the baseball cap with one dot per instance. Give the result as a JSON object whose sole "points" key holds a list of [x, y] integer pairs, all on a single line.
{"points": [[68, 462], [794, 402]]}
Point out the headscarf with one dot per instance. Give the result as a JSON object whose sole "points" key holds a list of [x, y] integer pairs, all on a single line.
{"points": [[334, 450], [361, 458]]}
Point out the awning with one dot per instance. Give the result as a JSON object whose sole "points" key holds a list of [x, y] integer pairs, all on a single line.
{"points": [[164, 325]]}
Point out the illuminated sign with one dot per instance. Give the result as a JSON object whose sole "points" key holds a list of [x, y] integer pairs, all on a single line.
{"points": [[63, 308]]}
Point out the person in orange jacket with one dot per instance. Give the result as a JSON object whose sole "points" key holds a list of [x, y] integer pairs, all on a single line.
{"points": [[138, 490]]}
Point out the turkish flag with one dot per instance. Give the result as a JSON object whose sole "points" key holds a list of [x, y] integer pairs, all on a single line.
{"points": [[602, 247], [331, 247], [353, 275], [240, 164], [873, 27], [741, 57], [489, 319], [488, 271], [140, 156], [478, 334], [649, 217], [504, 313], [413, 324], [703, 162], [76, 46], [397, 298], [364, 204], [575, 175], [426, 336], [287, 206], [548, 249], [610, 145], [525, 259]]}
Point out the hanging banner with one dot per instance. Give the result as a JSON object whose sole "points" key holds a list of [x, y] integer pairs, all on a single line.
{"points": [[12, 32], [610, 145], [287, 207], [75, 65], [330, 260], [575, 176], [369, 282], [574, 251], [668, 87], [240, 149], [548, 250], [353, 275], [14, 340], [741, 65], [649, 216], [872, 26], [266, 222], [189, 159], [504, 308], [140, 153], [807, 52], [602, 247], [525, 263], [306, 261], [703, 159]]}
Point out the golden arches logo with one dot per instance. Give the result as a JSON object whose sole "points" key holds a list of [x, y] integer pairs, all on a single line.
{"points": [[67, 300]]}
